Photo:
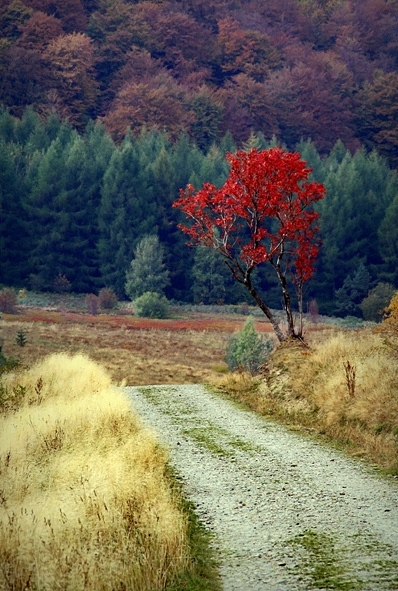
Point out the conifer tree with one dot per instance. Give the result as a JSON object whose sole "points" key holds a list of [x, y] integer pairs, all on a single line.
{"points": [[147, 271], [127, 212], [210, 277]]}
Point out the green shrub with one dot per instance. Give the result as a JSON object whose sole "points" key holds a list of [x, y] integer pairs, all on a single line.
{"points": [[376, 301], [247, 350], [151, 305]]}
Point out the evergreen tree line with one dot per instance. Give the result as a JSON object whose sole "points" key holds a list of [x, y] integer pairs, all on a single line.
{"points": [[75, 206]]}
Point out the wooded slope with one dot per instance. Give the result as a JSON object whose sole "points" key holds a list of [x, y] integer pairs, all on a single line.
{"points": [[291, 68]]}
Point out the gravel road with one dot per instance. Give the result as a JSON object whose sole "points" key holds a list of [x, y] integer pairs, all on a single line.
{"points": [[287, 513]]}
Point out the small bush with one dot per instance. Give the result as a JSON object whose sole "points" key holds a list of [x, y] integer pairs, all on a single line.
{"points": [[8, 301], [151, 305], [107, 299], [92, 303], [313, 311], [247, 350], [62, 284], [376, 301], [21, 338]]}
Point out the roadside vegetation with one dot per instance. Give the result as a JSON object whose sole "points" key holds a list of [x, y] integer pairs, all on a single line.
{"points": [[84, 502], [342, 384], [84, 483], [87, 499]]}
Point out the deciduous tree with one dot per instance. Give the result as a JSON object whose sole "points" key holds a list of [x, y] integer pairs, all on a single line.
{"points": [[71, 60], [261, 215]]}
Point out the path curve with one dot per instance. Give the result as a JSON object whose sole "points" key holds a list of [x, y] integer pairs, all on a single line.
{"points": [[287, 513]]}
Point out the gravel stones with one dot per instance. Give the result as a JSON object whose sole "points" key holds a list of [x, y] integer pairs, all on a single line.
{"points": [[287, 513]]}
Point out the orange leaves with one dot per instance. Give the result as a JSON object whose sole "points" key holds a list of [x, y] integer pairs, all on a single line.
{"points": [[71, 61]]}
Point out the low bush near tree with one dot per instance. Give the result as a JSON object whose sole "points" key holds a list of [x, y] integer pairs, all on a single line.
{"points": [[151, 305], [8, 301], [92, 303], [107, 299], [247, 350]]}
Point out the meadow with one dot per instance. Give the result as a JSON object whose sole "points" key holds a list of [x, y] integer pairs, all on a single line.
{"points": [[84, 482], [135, 351]]}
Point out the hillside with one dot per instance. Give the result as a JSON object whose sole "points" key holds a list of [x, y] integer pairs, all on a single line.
{"points": [[324, 69], [191, 81]]}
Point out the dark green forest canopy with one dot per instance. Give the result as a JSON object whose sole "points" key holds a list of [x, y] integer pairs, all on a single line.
{"points": [[76, 204], [136, 99]]}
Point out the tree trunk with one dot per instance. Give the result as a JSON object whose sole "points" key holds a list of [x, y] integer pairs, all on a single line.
{"points": [[287, 302], [260, 303]]}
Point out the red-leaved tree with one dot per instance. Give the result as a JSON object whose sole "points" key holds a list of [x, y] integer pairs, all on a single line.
{"points": [[262, 214]]}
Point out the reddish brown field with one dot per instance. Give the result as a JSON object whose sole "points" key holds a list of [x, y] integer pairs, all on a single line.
{"points": [[136, 351]]}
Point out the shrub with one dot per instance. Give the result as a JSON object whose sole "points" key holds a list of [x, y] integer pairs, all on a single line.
{"points": [[151, 305], [8, 301], [62, 284], [107, 299], [313, 311], [247, 350], [21, 338], [376, 301], [92, 303]]}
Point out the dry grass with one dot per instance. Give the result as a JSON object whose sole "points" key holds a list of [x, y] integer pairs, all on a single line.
{"points": [[135, 351], [84, 501], [305, 387], [344, 385]]}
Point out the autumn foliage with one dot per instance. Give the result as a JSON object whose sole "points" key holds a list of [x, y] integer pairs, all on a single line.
{"points": [[297, 68], [262, 214]]}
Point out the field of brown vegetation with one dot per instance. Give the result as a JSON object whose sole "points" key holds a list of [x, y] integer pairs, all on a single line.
{"points": [[342, 385], [102, 475], [135, 351]]}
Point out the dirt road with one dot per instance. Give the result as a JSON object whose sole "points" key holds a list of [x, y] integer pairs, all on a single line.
{"points": [[287, 513]]}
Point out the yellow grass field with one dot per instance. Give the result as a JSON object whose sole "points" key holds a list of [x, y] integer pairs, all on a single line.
{"points": [[85, 501]]}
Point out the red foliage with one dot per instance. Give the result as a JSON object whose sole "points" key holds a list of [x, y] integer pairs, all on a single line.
{"points": [[262, 214], [194, 323]]}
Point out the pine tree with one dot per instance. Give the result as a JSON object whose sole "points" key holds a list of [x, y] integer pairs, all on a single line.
{"points": [[210, 277], [359, 190], [353, 291], [127, 212], [147, 271], [48, 210], [14, 245]]}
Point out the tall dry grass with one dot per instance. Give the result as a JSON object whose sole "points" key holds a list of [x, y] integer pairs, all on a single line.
{"points": [[85, 502], [351, 382], [343, 385]]}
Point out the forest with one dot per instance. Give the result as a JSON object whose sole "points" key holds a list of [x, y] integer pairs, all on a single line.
{"points": [[109, 107]]}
